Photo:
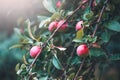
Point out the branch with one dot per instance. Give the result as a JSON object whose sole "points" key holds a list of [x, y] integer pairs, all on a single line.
{"points": [[99, 18], [80, 68], [50, 37]]}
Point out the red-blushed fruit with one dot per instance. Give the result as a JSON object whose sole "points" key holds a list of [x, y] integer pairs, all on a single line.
{"points": [[34, 51], [58, 4], [52, 26], [82, 50], [63, 27], [79, 25]]}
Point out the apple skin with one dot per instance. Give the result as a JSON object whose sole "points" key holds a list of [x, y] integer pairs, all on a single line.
{"points": [[58, 4], [82, 50], [34, 51], [63, 28], [79, 25], [52, 26]]}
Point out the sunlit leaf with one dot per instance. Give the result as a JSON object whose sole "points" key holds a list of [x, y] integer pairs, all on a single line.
{"points": [[17, 67], [79, 34], [49, 5], [16, 46]]}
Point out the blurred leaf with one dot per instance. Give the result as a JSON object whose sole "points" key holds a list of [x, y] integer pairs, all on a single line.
{"points": [[77, 40], [43, 22], [16, 46], [113, 25], [55, 16], [79, 34], [56, 62], [17, 31], [49, 5], [17, 67], [23, 66], [40, 18], [71, 76], [115, 57], [88, 14], [44, 78], [96, 52], [105, 36], [61, 48]]}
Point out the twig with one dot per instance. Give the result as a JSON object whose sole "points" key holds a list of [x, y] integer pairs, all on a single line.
{"points": [[44, 45], [99, 18], [80, 68]]}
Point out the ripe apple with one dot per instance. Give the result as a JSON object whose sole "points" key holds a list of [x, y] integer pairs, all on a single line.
{"points": [[79, 25], [34, 51], [82, 50], [52, 26], [63, 27], [58, 4]]}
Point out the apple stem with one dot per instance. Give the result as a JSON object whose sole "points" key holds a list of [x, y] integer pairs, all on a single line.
{"points": [[80, 68], [99, 18]]}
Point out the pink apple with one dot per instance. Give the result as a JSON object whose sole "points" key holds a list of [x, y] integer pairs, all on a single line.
{"points": [[52, 26], [63, 27], [58, 4], [79, 25], [34, 51], [82, 50]]}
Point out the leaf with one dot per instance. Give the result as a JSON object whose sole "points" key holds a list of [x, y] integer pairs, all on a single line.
{"points": [[40, 18], [43, 22], [55, 16], [105, 36], [96, 52], [61, 48], [77, 40], [16, 46], [79, 34], [56, 62], [17, 67], [115, 57], [113, 25], [44, 78], [49, 5]]}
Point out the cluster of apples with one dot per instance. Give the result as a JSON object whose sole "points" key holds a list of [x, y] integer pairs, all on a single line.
{"points": [[82, 50]]}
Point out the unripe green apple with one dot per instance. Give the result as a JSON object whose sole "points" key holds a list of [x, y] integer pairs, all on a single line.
{"points": [[34, 51], [63, 27], [82, 50], [79, 25], [52, 26]]}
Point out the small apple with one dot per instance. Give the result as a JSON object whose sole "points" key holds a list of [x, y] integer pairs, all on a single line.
{"points": [[63, 27], [58, 4], [79, 25], [34, 51], [82, 50], [52, 26]]}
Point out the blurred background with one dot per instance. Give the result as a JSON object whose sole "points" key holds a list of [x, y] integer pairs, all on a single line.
{"points": [[11, 13]]}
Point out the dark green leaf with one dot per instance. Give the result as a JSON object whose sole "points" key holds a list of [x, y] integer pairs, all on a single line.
{"points": [[56, 62], [113, 25], [96, 52]]}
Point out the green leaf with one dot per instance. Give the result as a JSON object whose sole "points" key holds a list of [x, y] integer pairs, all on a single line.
{"points": [[49, 5], [77, 40], [16, 46], [105, 36], [43, 22], [96, 52], [115, 57], [113, 25], [44, 78], [17, 67], [56, 62], [79, 34], [55, 16], [40, 18]]}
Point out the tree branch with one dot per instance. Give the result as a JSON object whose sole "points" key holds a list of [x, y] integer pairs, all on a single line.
{"points": [[99, 18]]}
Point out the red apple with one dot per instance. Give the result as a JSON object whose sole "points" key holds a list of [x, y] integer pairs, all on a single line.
{"points": [[79, 25], [34, 51], [58, 4], [63, 27], [52, 26], [82, 50]]}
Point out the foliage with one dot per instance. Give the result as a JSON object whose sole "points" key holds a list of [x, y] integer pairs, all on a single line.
{"points": [[58, 60]]}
